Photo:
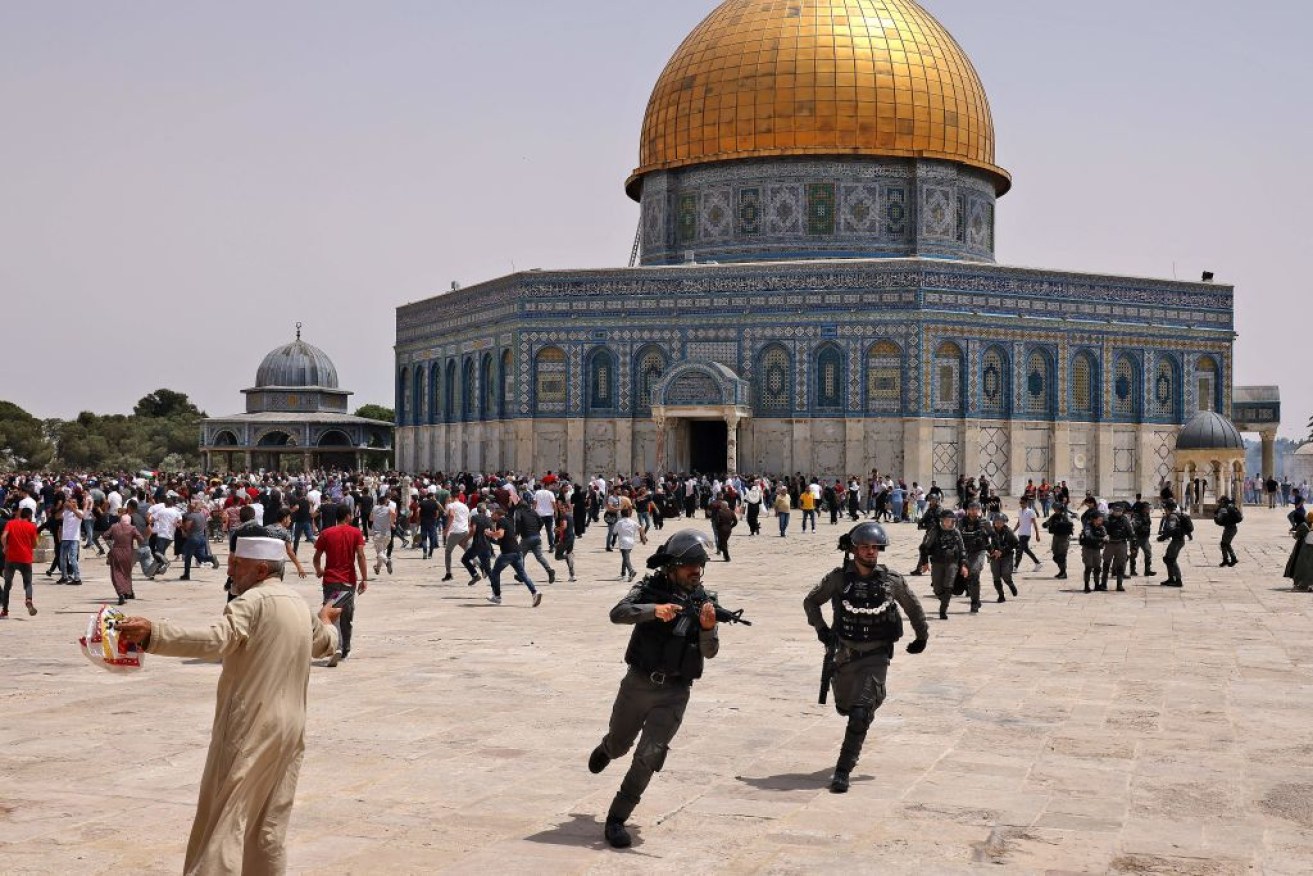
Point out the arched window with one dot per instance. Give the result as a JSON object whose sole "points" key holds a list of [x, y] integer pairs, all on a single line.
{"points": [[1039, 384], [884, 378], [1207, 381], [469, 395], [775, 380], [403, 397], [549, 381], [1084, 391], [995, 381], [417, 396], [1166, 389], [435, 393], [601, 380], [506, 388], [830, 381], [1126, 389], [488, 398], [947, 380], [449, 393], [649, 366]]}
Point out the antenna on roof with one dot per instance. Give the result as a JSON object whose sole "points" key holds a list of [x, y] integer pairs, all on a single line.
{"points": [[298, 331]]}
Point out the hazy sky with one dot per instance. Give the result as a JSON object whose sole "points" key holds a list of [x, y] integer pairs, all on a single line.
{"points": [[181, 182]]}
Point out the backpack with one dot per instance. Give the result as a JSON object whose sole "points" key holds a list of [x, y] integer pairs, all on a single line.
{"points": [[1187, 524]]}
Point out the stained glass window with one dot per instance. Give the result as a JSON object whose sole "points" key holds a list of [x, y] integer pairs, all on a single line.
{"points": [[948, 378], [1207, 373], [469, 392], [1125, 388], [435, 393], [417, 396], [829, 378], [775, 380], [884, 378], [651, 366], [1038, 383], [488, 404], [601, 381], [1082, 385], [449, 395], [549, 377], [993, 382]]}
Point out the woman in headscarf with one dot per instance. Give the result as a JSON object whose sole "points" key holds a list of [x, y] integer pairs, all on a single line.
{"points": [[123, 540], [1299, 567]]}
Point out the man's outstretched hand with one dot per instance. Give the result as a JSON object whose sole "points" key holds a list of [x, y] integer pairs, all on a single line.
{"points": [[916, 647], [134, 630]]}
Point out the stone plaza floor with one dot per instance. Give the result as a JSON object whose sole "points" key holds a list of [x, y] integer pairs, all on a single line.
{"points": [[1152, 731]]}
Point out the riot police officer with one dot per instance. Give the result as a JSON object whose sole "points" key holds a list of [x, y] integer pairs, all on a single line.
{"points": [[1060, 527], [975, 536], [671, 639], [864, 597], [946, 555], [1092, 539], [1120, 533], [1142, 523], [1229, 517], [1174, 528], [928, 523], [1003, 544]]}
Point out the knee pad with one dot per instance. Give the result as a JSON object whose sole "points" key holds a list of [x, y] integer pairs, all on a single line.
{"points": [[652, 755]]}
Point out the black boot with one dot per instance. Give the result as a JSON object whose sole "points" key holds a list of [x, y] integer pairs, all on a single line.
{"points": [[1149, 573], [1001, 597], [1013, 588], [616, 835], [975, 607], [943, 609], [598, 760], [1087, 580], [839, 784]]}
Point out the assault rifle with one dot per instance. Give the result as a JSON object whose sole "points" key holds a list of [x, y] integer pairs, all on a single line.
{"points": [[692, 609]]}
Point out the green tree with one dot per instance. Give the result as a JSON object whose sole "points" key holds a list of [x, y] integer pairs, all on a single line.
{"points": [[166, 404], [23, 440], [377, 412]]}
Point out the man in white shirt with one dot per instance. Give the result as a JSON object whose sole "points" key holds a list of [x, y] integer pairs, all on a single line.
{"points": [[382, 520], [544, 505], [315, 498], [163, 520], [1026, 529], [456, 531]]}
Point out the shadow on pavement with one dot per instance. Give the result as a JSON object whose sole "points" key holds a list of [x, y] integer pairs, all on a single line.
{"points": [[584, 831], [817, 781]]}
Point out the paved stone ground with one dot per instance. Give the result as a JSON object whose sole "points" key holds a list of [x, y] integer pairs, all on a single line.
{"points": [[1156, 731]]}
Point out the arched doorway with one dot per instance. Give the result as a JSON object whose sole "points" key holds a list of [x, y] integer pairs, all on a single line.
{"points": [[698, 407]]}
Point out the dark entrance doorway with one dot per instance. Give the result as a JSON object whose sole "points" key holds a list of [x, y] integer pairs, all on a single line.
{"points": [[708, 446]]}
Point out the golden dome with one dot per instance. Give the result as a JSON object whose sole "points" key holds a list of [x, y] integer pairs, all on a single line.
{"points": [[767, 78]]}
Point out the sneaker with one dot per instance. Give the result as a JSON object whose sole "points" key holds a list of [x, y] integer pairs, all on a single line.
{"points": [[495, 600], [335, 659], [631, 576], [4, 614], [537, 599], [389, 565], [616, 835], [76, 582], [572, 579], [839, 784], [472, 582], [62, 581], [1013, 588], [551, 576], [446, 577], [598, 760]]}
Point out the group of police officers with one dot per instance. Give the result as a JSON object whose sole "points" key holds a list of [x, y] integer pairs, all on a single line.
{"points": [[675, 619]]}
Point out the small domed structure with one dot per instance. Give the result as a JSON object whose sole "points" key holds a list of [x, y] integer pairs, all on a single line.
{"points": [[1208, 430], [297, 365]]}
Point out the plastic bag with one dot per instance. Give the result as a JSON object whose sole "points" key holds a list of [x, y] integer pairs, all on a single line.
{"points": [[103, 647]]}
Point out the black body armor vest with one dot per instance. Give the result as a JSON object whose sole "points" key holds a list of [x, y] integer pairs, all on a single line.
{"points": [[865, 611], [671, 648]]}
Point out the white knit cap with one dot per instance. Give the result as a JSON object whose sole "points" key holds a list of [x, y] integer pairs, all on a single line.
{"points": [[271, 549]]}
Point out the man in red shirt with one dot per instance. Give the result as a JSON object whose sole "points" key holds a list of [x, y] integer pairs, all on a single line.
{"points": [[18, 542], [339, 555]]}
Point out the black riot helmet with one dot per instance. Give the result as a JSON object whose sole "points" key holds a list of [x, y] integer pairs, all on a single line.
{"points": [[1169, 504], [686, 547], [869, 532]]}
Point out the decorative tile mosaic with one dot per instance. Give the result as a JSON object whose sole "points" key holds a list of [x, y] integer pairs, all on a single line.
{"points": [[724, 352], [820, 208], [937, 211], [686, 227], [895, 212], [830, 383], [784, 209], [749, 212], [694, 388], [717, 214], [860, 209]]}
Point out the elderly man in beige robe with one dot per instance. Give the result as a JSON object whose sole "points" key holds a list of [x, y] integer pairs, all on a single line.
{"points": [[266, 639]]}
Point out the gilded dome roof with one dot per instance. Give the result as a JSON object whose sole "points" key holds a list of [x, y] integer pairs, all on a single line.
{"points": [[767, 78], [297, 364]]}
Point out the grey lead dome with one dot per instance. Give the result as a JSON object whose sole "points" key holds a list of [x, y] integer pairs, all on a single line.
{"points": [[1209, 431], [297, 364]]}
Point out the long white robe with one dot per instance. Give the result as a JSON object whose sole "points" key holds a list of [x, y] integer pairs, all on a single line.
{"points": [[266, 639]]}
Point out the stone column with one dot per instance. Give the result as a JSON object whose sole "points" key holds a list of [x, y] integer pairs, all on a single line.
{"points": [[246, 460], [1269, 454], [305, 460], [662, 465], [205, 461], [732, 449]]}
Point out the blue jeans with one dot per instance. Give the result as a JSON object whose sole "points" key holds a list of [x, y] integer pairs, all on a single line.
{"points": [[808, 515], [68, 560], [515, 560], [195, 548], [299, 530], [484, 558], [784, 522], [428, 538]]}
